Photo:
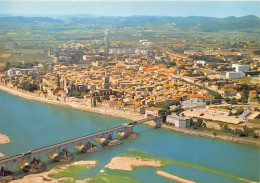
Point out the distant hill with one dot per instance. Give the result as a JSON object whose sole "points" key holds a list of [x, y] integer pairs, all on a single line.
{"points": [[231, 23], [206, 24], [22, 20]]}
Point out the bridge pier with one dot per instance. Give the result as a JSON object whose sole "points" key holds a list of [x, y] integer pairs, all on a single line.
{"points": [[110, 141], [158, 122], [89, 147], [6, 175], [128, 131], [64, 155], [35, 166]]}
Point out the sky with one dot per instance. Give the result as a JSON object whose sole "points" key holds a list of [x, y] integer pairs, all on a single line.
{"points": [[127, 0], [221, 8]]}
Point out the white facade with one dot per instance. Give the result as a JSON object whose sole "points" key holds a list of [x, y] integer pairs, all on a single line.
{"points": [[233, 75], [10, 72], [128, 51], [178, 120], [191, 52], [202, 62], [18, 73], [240, 68]]}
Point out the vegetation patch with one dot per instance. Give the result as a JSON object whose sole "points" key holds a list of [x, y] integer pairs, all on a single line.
{"points": [[112, 178], [72, 171]]}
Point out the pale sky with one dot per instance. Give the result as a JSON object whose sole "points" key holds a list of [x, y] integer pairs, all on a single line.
{"points": [[217, 8], [130, 0]]}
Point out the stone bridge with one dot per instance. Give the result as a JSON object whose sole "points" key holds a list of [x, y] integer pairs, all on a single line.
{"points": [[8, 163]]}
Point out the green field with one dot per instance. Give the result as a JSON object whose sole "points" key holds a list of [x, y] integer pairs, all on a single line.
{"points": [[31, 41]]}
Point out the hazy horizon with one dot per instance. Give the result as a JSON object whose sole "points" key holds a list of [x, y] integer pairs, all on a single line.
{"points": [[219, 9]]}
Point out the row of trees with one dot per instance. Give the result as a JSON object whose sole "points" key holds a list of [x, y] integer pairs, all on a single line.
{"points": [[165, 106], [29, 86], [78, 94]]}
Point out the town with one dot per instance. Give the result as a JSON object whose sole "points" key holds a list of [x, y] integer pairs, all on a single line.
{"points": [[201, 90], [129, 91]]}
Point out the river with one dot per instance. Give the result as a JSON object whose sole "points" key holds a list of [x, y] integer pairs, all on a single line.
{"points": [[32, 125]]}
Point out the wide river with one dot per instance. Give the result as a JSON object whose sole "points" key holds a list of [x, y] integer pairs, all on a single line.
{"points": [[32, 125]]}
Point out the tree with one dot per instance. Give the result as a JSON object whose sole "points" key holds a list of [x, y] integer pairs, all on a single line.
{"points": [[215, 101], [239, 111], [227, 99], [28, 86], [226, 129], [244, 98], [233, 101], [257, 52], [7, 66], [178, 109], [199, 122]]}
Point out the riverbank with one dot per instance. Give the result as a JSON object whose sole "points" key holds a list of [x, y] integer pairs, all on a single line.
{"points": [[100, 110], [192, 132], [125, 115]]}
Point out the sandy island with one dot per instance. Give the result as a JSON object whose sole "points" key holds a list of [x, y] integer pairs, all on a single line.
{"points": [[1, 155], [46, 176], [4, 139], [173, 177], [130, 163]]}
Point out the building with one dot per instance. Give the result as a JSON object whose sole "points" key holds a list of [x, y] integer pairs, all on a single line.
{"points": [[152, 111], [202, 62], [233, 75], [219, 111], [244, 54], [209, 98], [179, 121], [195, 98], [191, 52], [240, 68], [228, 92]]}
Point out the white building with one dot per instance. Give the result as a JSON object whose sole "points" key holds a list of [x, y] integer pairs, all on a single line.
{"points": [[191, 52], [179, 121], [202, 62], [12, 71], [147, 43], [240, 68], [128, 51], [143, 40], [18, 73], [37, 68], [233, 75]]}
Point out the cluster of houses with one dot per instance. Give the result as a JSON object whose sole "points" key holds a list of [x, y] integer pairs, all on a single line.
{"points": [[132, 80]]}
